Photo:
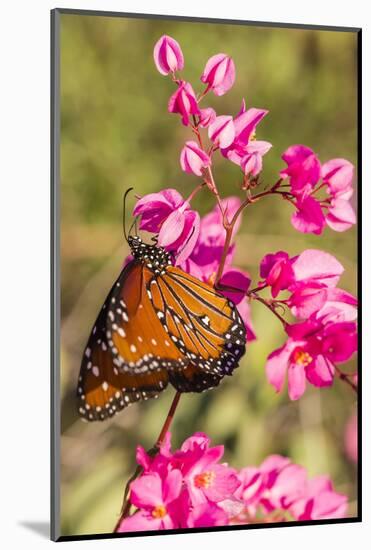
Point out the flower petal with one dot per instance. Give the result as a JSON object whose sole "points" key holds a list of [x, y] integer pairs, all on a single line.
{"points": [[172, 486], [146, 491], [319, 266], [296, 381], [172, 228], [277, 364], [141, 521], [192, 229]]}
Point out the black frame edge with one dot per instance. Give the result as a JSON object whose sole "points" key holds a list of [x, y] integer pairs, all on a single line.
{"points": [[195, 19], [226, 528]]}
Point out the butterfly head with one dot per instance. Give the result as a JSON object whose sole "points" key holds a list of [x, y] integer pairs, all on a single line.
{"points": [[155, 257]]}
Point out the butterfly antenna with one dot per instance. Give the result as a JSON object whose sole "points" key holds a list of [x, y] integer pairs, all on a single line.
{"points": [[124, 212]]}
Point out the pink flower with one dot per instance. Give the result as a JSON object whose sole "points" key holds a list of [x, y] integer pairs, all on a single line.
{"points": [[283, 485], [319, 501], [311, 277], [277, 271], [351, 438], [340, 216], [222, 131], [309, 217], [311, 353], [193, 159], [252, 162], [314, 272], [168, 55], [184, 102], [156, 499], [207, 117], [245, 125], [219, 73], [303, 169], [307, 299], [206, 480], [169, 215], [338, 175]]}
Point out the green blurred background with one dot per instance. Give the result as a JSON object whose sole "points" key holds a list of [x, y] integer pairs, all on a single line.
{"points": [[116, 133]]}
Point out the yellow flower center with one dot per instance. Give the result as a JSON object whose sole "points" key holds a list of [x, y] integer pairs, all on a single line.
{"points": [[159, 512], [302, 357], [204, 480]]}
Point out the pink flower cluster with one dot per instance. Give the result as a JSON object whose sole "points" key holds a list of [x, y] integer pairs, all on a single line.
{"points": [[306, 177], [235, 137], [327, 332], [191, 487]]}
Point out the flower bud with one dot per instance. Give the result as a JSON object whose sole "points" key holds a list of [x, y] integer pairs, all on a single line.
{"points": [[207, 117], [168, 55], [193, 159], [219, 73], [184, 102]]}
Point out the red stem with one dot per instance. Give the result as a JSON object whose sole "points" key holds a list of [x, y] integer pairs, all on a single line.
{"points": [[168, 420], [270, 307], [195, 191]]}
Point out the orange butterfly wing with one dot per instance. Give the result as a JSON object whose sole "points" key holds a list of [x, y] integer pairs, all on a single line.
{"points": [[128, 353], [204, 325]]}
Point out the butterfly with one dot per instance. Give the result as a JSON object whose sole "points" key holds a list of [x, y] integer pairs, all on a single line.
{"points": [[158, 325]]}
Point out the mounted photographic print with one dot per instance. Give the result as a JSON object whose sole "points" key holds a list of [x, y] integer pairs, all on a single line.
{"points": [[205, 189]]}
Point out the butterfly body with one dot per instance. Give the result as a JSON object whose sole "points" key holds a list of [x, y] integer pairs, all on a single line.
{"points": [[158, 325]]}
